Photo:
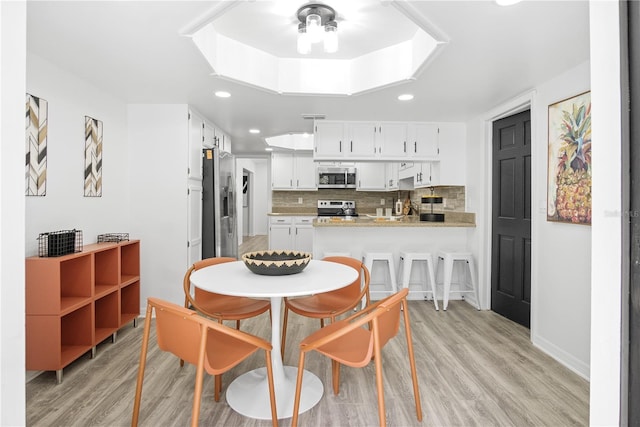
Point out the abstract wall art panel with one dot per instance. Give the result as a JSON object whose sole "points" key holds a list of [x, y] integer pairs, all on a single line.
{"points": [[36, 146], [92, 157]]}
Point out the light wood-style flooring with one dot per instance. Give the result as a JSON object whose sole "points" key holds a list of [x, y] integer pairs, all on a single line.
{"points": [[253, 243], [475, 369]]}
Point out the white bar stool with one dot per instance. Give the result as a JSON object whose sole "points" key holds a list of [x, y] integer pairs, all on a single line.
{"points": [[449, 258], [407, 260], [387, 257]]}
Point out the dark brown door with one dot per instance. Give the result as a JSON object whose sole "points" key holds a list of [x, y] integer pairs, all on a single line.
{"points": [[511, 222]]}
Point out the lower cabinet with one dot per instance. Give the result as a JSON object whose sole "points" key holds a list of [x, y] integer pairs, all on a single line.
{"points": [[291, 232], [74, 302]]}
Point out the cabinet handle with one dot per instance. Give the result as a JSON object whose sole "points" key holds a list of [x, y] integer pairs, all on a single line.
{"points": [[340, 147], [351, 148], [297, 183], [291, 182], [415, 146], [404, 149]]}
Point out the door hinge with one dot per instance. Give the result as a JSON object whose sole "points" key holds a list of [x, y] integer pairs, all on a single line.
{"points": [[188, 244], [188, 191]]}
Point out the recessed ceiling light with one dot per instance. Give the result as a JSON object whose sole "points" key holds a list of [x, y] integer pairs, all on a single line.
{"points": [[405, 97], [254, 130], [222, 94], [507, 2], [268, 149]]}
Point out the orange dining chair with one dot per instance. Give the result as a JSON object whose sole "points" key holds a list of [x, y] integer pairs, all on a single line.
{"points": [[329, 305], [356, 340], [218, 306], [208, 345]]}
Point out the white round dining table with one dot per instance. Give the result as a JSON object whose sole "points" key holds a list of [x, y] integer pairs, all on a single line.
{"points": [[249, 393]]}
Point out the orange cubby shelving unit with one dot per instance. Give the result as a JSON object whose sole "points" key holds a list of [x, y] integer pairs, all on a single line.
{"points": [[76, 301]]}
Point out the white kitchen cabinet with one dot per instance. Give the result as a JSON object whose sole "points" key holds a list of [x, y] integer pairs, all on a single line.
{"points": [[422, 141], [405, 170], [224, 141], [209, 136], [377, 176], [280, 233], [303, 236], [305, 172], [329, 140], [293, 171], [196, 143], [423, 175], [371, 176], [291, 233], [362, 140], [392, 172], [451, 168], [391, 140]]}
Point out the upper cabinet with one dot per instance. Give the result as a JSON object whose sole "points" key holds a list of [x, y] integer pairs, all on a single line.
{"points": [[376, 141], [423, 141], [329, 140], [391, 140], [370, 177], [452, 167], [293, 171]]}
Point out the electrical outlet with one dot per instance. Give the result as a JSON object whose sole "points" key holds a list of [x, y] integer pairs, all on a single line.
{"points": [[382, 202], [299, 200]]}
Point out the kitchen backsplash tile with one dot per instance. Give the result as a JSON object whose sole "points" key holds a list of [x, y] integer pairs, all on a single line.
{"points": [[366, 201]]}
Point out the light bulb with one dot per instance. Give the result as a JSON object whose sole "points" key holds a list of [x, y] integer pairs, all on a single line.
{"points": [[314, 27], [331, 37], [304, 45]]}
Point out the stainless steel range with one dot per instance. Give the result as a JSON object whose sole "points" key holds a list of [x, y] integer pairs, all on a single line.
{"points": [[337, 208]]}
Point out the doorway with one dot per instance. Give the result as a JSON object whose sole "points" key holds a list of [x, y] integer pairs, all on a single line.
{"points": [[511, 218], [247, 177]]}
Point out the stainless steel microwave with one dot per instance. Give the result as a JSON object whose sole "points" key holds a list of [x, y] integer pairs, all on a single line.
{"points": [[336, 177]]}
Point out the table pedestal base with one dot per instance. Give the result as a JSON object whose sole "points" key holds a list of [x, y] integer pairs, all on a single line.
{"points": [[249, 393]]}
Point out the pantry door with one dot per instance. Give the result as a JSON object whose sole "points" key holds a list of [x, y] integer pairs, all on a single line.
{"points": [[511, 218]]}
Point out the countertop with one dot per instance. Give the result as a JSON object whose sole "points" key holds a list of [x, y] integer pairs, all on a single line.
{"points": [[452, 219], [406, 221]]}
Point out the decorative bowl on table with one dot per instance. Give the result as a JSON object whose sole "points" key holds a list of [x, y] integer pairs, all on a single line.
{"points": [[276, 262]]}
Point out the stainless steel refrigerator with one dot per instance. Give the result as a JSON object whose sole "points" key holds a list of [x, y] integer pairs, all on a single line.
{"points": [[219, 225]]}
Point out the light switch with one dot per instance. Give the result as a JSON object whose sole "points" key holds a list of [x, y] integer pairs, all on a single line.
{"points": [[382, 202], [299, 200]]}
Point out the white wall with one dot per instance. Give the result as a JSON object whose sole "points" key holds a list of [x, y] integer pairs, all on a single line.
{"points": [[561, 260], [13, 22], [158, 137], [64, 206], [562, 304], [610, 268]]}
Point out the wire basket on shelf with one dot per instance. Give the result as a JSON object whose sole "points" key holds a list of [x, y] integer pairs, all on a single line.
{"points": [[113, 237], [58, 243]]}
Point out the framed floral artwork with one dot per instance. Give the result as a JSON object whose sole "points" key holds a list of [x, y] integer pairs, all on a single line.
{"points": [[569, 163]]}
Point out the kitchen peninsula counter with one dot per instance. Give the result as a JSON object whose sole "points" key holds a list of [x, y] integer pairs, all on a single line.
{"points": [[363, 234], [453, 219]]}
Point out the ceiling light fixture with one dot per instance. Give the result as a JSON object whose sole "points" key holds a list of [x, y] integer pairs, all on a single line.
{"points": [[254, 130], [405, 97], [222, 94], [507, 2], [317, 23]]}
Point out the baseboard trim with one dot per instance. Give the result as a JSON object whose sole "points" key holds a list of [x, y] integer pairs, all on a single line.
{"points": [[561, 356]]}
